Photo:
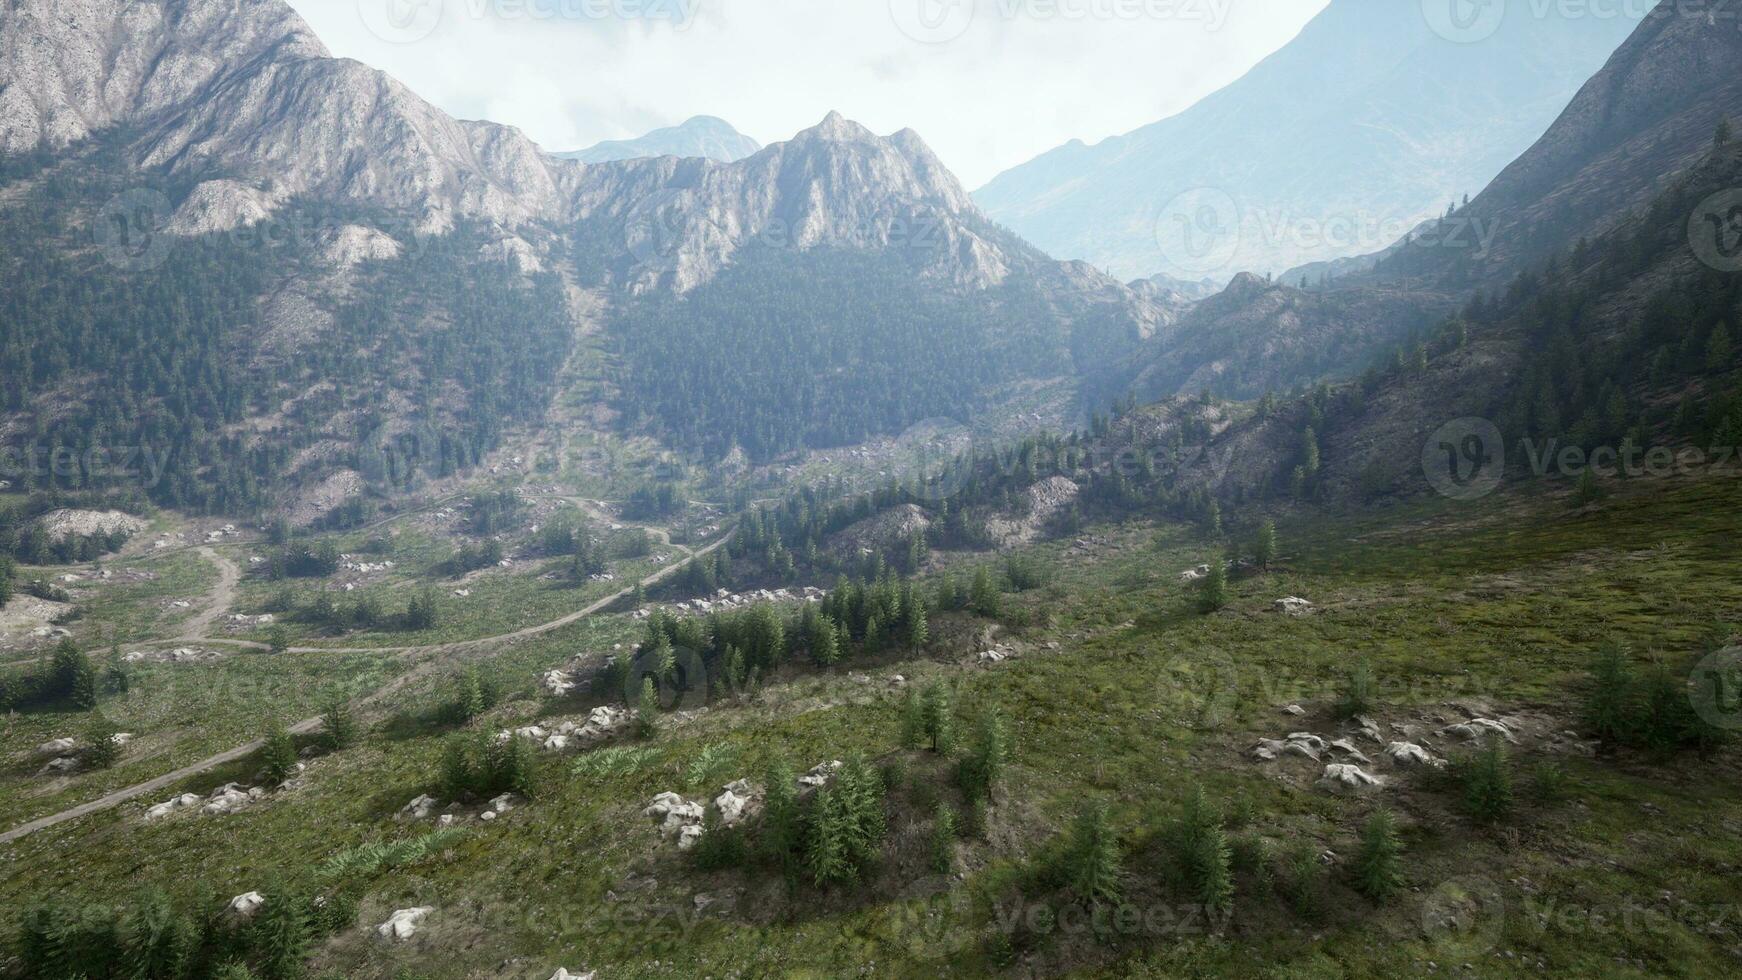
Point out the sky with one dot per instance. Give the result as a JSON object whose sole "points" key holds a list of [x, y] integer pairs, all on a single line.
{"points": [[989, 84]]}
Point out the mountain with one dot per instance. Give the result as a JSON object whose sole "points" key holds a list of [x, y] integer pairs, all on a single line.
{"points": [[188, 126], [700, 136], [1602, 313], [1336, 145]]}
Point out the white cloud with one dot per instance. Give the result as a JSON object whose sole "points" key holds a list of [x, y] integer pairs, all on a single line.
{"points": [[1022, 76]]}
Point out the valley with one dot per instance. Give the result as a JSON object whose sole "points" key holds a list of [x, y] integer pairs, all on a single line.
{"points": [[424, 556]]}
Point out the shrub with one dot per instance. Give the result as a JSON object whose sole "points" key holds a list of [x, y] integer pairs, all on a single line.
{"points": [[1487, 779], [102, 751], [1358, 695], [277, 754], [943, 840]]}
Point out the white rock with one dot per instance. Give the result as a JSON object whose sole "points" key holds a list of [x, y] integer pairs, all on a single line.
{"points": [[487, 816], [562, 974], [246, 904], [59, 746], [689, 836], [1409, 754], [820, 774], [403, 925], [556, 743], [420, 808], [1479, 728], [62, 765], [503, 803], [732, 808], [1294, 710], [1345, 779], [1293, 606], [1346, 748], [558, 683]]}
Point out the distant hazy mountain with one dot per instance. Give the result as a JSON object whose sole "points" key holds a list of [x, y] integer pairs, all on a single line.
{"points": [[1336, 145], [702, 136]]}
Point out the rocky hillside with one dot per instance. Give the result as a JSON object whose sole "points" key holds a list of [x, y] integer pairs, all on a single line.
{"points": [[1366, 124], [213, 121], [1645, 117]]}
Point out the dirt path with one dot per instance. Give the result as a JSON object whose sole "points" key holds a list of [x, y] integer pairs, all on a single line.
{"points": [[427, 653], [219, 600]]}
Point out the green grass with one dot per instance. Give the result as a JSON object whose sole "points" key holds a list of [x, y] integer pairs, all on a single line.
{"points": [[1145, 699]]}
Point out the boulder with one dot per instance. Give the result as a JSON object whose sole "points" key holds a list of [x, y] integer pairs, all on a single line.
{"points": [[503, 803], [403, 924], [1369, 728], [1293, 606], [245, 905], [820, 774], [1409, 754], [732, 808], [1347, 779], [54, 747], [420, 808], [562, 974], [1479, 728], [1294, 711], [558, 683], [1347, 749], [688, 836], [60, 767], [556, 743]]}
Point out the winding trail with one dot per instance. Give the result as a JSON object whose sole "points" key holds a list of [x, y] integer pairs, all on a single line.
{"points": [[425, 653], [218, 600]]}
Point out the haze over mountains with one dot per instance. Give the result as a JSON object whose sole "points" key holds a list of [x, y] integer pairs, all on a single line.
{"points": [[1336, 145], [700, 136]]}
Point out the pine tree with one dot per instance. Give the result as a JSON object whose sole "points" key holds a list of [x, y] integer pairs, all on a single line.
{"points": [[1488, 784], [912, 720], [158, 942], [456, 774], [825, 642], [918, 630], [1204, 854], [983, 768], [1264, 548], [83, 692], [338, 725], [102, 750], [470, 701], [1378, 865], [1213, 587], [279, 934], [983, 595], [647, 710], [783, 820], [1719, 349], [938, 717], [513, 767], [1608, 705], [825, 853], [277, 754], [943, 840], [1092, 856]]}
